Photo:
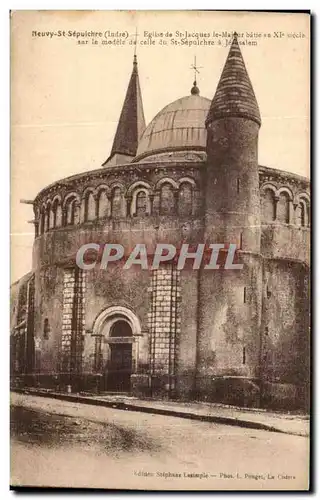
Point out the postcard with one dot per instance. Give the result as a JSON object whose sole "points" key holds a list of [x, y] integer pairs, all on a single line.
{"points": [[160, 250]]}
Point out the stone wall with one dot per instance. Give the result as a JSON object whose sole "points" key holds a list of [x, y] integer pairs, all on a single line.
{"points": [[48, 314], [164, 328], [285, 328], [285, 241], [187, 347], [73, 320], [61, 241], [22, 326], [199, 329], [229, 330]]}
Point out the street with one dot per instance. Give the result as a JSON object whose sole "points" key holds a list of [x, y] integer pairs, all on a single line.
{"points": [[59, 443]]}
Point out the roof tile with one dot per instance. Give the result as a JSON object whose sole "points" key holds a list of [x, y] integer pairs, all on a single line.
{"points": [[234, 95]]}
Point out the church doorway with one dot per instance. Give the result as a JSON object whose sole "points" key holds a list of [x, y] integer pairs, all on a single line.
{"points": [[119, 366], [117, 332]]}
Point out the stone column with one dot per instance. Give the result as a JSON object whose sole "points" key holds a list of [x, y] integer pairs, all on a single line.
{"points": [[164, 327], [128, 204], [151, 198]]}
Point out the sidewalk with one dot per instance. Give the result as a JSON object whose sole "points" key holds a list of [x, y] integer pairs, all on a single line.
{"points": [[208, 412]]}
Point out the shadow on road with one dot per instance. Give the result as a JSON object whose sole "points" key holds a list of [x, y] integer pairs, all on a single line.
{"points": [[40, 428]]}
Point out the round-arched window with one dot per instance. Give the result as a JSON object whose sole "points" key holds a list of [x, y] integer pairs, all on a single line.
{"points": [[141, 203]]}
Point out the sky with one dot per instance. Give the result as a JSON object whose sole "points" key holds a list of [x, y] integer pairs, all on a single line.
{"points": [[66, 97]]}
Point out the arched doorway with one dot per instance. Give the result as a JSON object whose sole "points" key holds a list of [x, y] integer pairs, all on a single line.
{"points": [[119, 365], [117, 330]]}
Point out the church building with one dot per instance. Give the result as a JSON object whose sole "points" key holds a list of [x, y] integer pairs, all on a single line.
{"points": [[190, 176]]}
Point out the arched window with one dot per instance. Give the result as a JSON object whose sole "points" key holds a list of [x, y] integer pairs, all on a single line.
{"points": [[103, 204], [185, 199], [51, 217], [58, 213], [307, 218], [42, 220], [166, 199], [301, 214], [116, 203], [54, 207], [47, 219], [120, 329], [268, 206], [141, 203], [72, 211], [283, 208], [89, 207]]}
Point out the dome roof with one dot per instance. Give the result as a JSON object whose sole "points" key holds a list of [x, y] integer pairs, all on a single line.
{"points": [[180, 125]]}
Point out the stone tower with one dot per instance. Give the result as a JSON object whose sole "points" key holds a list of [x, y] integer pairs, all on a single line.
{"points": [[230, 300]]}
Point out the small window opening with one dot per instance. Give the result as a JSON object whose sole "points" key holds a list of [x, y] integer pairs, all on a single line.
{"points": [[244, 356], [241, 241], [46, 329]]}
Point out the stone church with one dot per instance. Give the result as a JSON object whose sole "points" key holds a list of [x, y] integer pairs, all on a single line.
{"points": [[192, 175]]}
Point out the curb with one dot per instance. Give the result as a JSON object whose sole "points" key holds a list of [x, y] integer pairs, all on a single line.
{"points": [[118, 405]]}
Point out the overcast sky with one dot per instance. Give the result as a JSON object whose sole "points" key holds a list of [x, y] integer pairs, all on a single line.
{"points": [[66, 98]]}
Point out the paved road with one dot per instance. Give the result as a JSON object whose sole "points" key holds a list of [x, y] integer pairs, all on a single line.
{"points": [[66, 444]]}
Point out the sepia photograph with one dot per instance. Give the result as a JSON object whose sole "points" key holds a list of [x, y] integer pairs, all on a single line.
{"points": [[160, 250]]}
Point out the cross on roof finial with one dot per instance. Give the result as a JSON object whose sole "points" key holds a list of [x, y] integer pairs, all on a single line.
{"points": [[195, 90], [195, 68], [136, 41], [135, 35]]}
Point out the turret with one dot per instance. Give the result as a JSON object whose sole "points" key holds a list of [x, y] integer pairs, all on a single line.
{"points": [[131, 123], [228, 367], [233, 122]]}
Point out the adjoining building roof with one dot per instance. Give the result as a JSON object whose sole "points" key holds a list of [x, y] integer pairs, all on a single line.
{"points": [[234, 95]]}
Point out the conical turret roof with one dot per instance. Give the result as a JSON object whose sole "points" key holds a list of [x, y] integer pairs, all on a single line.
{"points": [[131, 122], [234, 95]]}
